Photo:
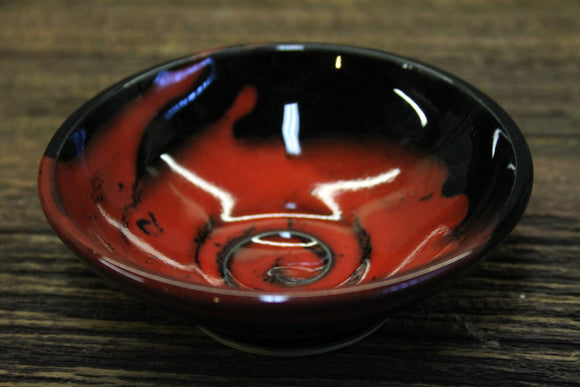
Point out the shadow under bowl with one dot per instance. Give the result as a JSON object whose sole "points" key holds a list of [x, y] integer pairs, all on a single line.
{"points": [[287, 196]]}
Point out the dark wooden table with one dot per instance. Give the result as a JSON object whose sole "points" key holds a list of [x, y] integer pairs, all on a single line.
{"points": [[515, 319]]}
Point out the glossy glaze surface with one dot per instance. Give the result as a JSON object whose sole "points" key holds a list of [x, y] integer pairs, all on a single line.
{"points": [[329, 212], [285, 169]]}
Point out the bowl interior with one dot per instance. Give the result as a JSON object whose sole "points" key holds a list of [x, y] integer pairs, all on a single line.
{"points": [[286, 168]]}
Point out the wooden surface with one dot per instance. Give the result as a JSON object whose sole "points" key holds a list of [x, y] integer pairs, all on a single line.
{"points": [[515, 319]]}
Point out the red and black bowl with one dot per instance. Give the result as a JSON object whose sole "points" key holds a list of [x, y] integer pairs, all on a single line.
{"points": [[288, 197]]}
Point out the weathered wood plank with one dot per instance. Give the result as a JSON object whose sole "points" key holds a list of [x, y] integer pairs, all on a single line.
{"points": [[51, 302], [524, 61]]}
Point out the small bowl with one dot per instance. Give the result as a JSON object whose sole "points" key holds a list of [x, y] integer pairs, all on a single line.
{"points": [[288, 197]]}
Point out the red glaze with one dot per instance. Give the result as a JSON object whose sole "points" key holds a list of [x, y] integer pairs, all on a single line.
{"points": [[376, 206]]}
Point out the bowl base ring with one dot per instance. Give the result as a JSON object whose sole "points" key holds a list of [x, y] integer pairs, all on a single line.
{"points": [[324, 252], [321, 346]]}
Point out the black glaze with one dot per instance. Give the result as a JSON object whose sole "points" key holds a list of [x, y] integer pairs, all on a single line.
{"points": [[358, 99]]}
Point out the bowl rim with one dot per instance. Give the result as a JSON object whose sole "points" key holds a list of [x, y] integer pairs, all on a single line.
{"points": [[74, 238]]}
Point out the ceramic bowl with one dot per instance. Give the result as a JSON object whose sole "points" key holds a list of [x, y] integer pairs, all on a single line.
{"points": [[288, 197]]}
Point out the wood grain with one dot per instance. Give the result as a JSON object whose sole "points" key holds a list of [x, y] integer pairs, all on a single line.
{"points": [[514, 319]]}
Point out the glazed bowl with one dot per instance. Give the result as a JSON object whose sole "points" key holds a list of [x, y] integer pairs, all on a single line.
{"points": [[288, 197]]}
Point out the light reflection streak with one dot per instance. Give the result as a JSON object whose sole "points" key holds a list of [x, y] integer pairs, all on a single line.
{"points": [[197, 92], [338, 62], [413, 104], [495, 140], [79, 138], [291, 128], [148, 249], [441, 230], [326, 192], [109, 263], [273, 298], [258, 239], [166, 78], [498, 132], [290, 47]]}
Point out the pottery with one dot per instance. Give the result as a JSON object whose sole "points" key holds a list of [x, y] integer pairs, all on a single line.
{"points": [[288, 197]]}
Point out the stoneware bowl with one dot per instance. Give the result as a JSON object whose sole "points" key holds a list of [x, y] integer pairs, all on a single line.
{"points": [[288, 197]]}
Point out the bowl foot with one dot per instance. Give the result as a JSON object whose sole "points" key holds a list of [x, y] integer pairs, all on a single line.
{"points": [[297, 348]]}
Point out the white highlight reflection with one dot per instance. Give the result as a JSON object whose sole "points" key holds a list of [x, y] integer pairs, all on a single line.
{"points": [[167, 78], [413, 104], [326, 192], [495, 140], [109, 263], [290, 47], [273, 298], [498, 132], [147, 248], [291, 128], [439, 231], [258, 239]]}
